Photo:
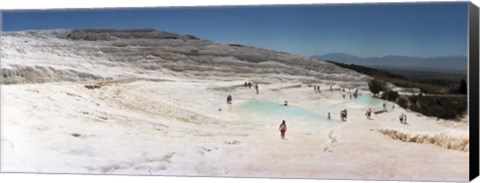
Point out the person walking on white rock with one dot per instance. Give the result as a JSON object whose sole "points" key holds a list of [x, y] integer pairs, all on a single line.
{"points": [[283, 129], [401, 118]]}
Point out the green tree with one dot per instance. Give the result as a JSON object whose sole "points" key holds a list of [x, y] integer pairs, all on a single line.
{"points": [[390, 95], [376, 86]]}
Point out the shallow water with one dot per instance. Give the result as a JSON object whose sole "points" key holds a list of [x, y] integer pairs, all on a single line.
{"points": [[268, 109], [369, 101], [271, 108]]}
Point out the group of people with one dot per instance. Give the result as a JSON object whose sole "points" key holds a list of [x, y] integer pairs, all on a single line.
{"points": [[249, 85], [316, 89], [355, 93], [403, 117], [343, 113]]}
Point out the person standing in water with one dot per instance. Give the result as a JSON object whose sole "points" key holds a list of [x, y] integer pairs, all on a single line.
{"points": [[256, 88], [286, 103], [283, 129], [245, 84], [329, 117]]}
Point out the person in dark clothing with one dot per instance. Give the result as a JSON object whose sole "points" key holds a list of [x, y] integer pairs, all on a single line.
{"points": [[343, 115], [229, 99]]}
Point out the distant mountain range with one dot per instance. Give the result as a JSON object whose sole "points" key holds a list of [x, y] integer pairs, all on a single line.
{"points": [[394, 61]]}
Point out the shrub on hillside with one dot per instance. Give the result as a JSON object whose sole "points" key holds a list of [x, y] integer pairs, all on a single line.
{"points": [[376, 86], [441, 107], [390, 95]]}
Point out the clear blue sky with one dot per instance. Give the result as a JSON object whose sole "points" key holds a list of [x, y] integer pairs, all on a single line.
{"points": [[425, 30]]}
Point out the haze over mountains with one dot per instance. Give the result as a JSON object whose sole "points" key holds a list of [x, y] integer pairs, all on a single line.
{"points": [[397, 61]]}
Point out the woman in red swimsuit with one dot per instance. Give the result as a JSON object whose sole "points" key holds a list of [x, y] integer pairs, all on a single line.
{"points": [[283, 129]]}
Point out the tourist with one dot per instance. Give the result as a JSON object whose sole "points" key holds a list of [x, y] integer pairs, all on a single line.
{"points": [[256, 88], [245, 84], [355, 93], [343, 115], [369, 113], [286, 103], [401, 118], [283, 129], [329, 117], [229, 99]]}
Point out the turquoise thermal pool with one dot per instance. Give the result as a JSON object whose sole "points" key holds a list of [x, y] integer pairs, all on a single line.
{"points": [[271, 108], [266, 108]]}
